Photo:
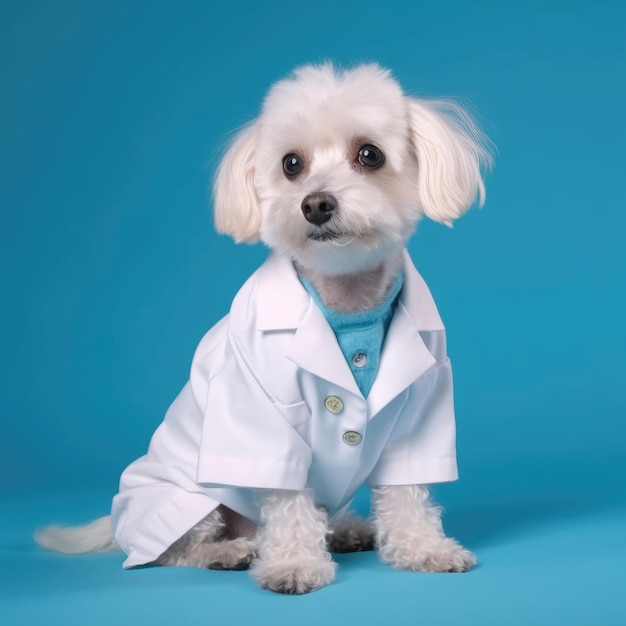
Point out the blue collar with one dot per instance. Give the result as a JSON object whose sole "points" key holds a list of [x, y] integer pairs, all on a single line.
{"points": [[361, 335]]}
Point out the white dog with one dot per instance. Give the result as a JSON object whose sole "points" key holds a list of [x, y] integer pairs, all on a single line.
{"points": [[331, 369]]}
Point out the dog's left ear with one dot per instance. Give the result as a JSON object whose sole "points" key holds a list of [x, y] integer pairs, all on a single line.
{"points": [[451, 152], [236, 205]]}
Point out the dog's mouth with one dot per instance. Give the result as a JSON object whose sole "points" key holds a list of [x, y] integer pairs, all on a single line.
{"points": [[341, 238], [325, 235]]}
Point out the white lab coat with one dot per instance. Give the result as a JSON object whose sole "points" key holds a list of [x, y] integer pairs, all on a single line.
{"points": [[253, 414]]}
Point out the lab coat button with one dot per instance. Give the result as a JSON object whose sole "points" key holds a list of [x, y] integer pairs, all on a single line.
{"points": [[333, 404], [352, 438], [359, 359]]}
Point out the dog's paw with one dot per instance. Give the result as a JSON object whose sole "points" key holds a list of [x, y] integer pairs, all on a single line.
{"points": [[356, 536], [447, 556], [293, 578], [236, 554], [441, 555]]}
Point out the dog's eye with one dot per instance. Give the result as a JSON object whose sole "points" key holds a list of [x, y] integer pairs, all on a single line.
{"points": [[292, 165], [371, 157]]}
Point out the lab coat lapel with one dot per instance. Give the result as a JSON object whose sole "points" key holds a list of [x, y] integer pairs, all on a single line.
{"points": [[404, 356], [403, 360], [284, 304], [315, 349]]}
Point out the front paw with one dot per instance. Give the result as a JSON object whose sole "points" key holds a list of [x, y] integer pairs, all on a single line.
{"points": [[435, 555], [447, 556], [293, 577]]}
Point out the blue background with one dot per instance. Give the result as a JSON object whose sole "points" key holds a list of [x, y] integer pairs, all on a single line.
{"points": [[112, 118]]}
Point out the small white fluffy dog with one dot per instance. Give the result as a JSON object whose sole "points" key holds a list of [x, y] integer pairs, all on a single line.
{"points": [[259, 457]]}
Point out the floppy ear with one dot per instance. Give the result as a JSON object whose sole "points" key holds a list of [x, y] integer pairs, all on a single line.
{"points": [[451, 151], [236, 206]]}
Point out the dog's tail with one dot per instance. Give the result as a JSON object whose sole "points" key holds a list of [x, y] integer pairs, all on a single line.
{"points": [[96, 536]]}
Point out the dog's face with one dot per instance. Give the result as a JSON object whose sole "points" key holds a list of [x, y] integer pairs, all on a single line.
{"points": [[336, 175], [338, 168]]}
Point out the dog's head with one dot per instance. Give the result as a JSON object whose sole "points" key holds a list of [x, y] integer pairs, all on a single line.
{"points": [[339, 166]]}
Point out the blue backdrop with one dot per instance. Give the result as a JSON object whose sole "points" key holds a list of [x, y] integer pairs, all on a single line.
{"points": [[112, 118]]}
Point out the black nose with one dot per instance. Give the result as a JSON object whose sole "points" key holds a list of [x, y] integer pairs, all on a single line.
{"points": [[318, 207]]}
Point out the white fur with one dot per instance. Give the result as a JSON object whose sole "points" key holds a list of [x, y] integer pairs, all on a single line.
{"points": [[211, 545], [409, 534], [434, 153], [95, 536], [293, 556]]}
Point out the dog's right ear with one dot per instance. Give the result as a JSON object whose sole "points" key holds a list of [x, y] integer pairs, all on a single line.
{"points": [[236, 205]]}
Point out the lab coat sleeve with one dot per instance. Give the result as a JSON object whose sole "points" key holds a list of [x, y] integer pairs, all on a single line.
{"points": [[421, 448], [248, 437]]}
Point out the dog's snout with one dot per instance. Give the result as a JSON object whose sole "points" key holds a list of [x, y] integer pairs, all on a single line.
{"points": [[318, 207]]}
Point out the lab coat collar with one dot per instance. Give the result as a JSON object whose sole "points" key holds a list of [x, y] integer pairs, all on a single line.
{"points": [[417, 301], [283, 301], [284, 304]]}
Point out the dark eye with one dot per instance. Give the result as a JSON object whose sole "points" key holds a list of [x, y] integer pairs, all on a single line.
{"points": [[370, 156], [292, 165]]}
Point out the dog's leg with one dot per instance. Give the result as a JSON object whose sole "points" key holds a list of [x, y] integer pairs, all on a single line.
{"points": [[210, 545], [293, 557], [350, 533], [409, 534]]}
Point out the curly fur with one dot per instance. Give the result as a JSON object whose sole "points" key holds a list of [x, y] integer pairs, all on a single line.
{"points": [[409, 533], [293, 555]]}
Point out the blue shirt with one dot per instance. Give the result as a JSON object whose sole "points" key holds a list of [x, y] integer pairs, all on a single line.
{"points": [[361, 335]]}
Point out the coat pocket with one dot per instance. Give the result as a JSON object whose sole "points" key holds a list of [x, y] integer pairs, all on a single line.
{"points": [[299, 416]]}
